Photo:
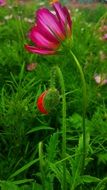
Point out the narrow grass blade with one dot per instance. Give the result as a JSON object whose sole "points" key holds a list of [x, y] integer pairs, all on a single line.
{"points": [[25, 167]]}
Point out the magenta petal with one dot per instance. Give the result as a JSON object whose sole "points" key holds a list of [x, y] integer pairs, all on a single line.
{"points": [[39, 51], [44, 16], [50, 30], [64, 17], [2, 3], [40, 40], [67, 16], [60, 13], [47, 33]]}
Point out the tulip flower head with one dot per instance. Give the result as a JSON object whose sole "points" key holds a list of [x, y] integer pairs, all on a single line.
{"points": [[50, 30]]}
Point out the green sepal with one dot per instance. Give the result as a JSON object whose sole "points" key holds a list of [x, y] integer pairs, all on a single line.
{"points": [[51, 100]]}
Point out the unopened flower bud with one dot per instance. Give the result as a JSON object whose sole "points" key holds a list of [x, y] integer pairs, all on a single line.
{"points": [[48, 100], [51, 99]]}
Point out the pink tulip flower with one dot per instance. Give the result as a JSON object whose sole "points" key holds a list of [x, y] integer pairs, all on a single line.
{"points": [[50, 30], [2, 3]]}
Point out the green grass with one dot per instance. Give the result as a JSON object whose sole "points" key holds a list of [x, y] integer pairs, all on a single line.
{"points": [[30, 143]]}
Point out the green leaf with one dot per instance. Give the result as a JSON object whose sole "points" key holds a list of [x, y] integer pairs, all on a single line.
{"points": [[19, 182], [7, 185], [32, 186], [52, 147], [75, 120], [58, 172], [102, 158], [25, 167], [89, 179], [101, 184], [37, 186], [39, 128]]}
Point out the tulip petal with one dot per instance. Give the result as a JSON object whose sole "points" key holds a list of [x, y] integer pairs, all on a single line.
{"points": [[44, 16], [40, 40], [39, 51]]}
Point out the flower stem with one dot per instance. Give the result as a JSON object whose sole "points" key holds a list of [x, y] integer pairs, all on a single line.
{"points": [[61, 81], [42, 165], [84, 108], [52, 80]]}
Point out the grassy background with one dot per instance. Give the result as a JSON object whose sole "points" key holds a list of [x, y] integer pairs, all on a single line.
{"points": [[22, 127]]}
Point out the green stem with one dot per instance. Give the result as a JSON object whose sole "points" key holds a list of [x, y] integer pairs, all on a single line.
{"points": [[52, 80], [84, 107], [42, 165], [61, 80], [101, 183]]}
